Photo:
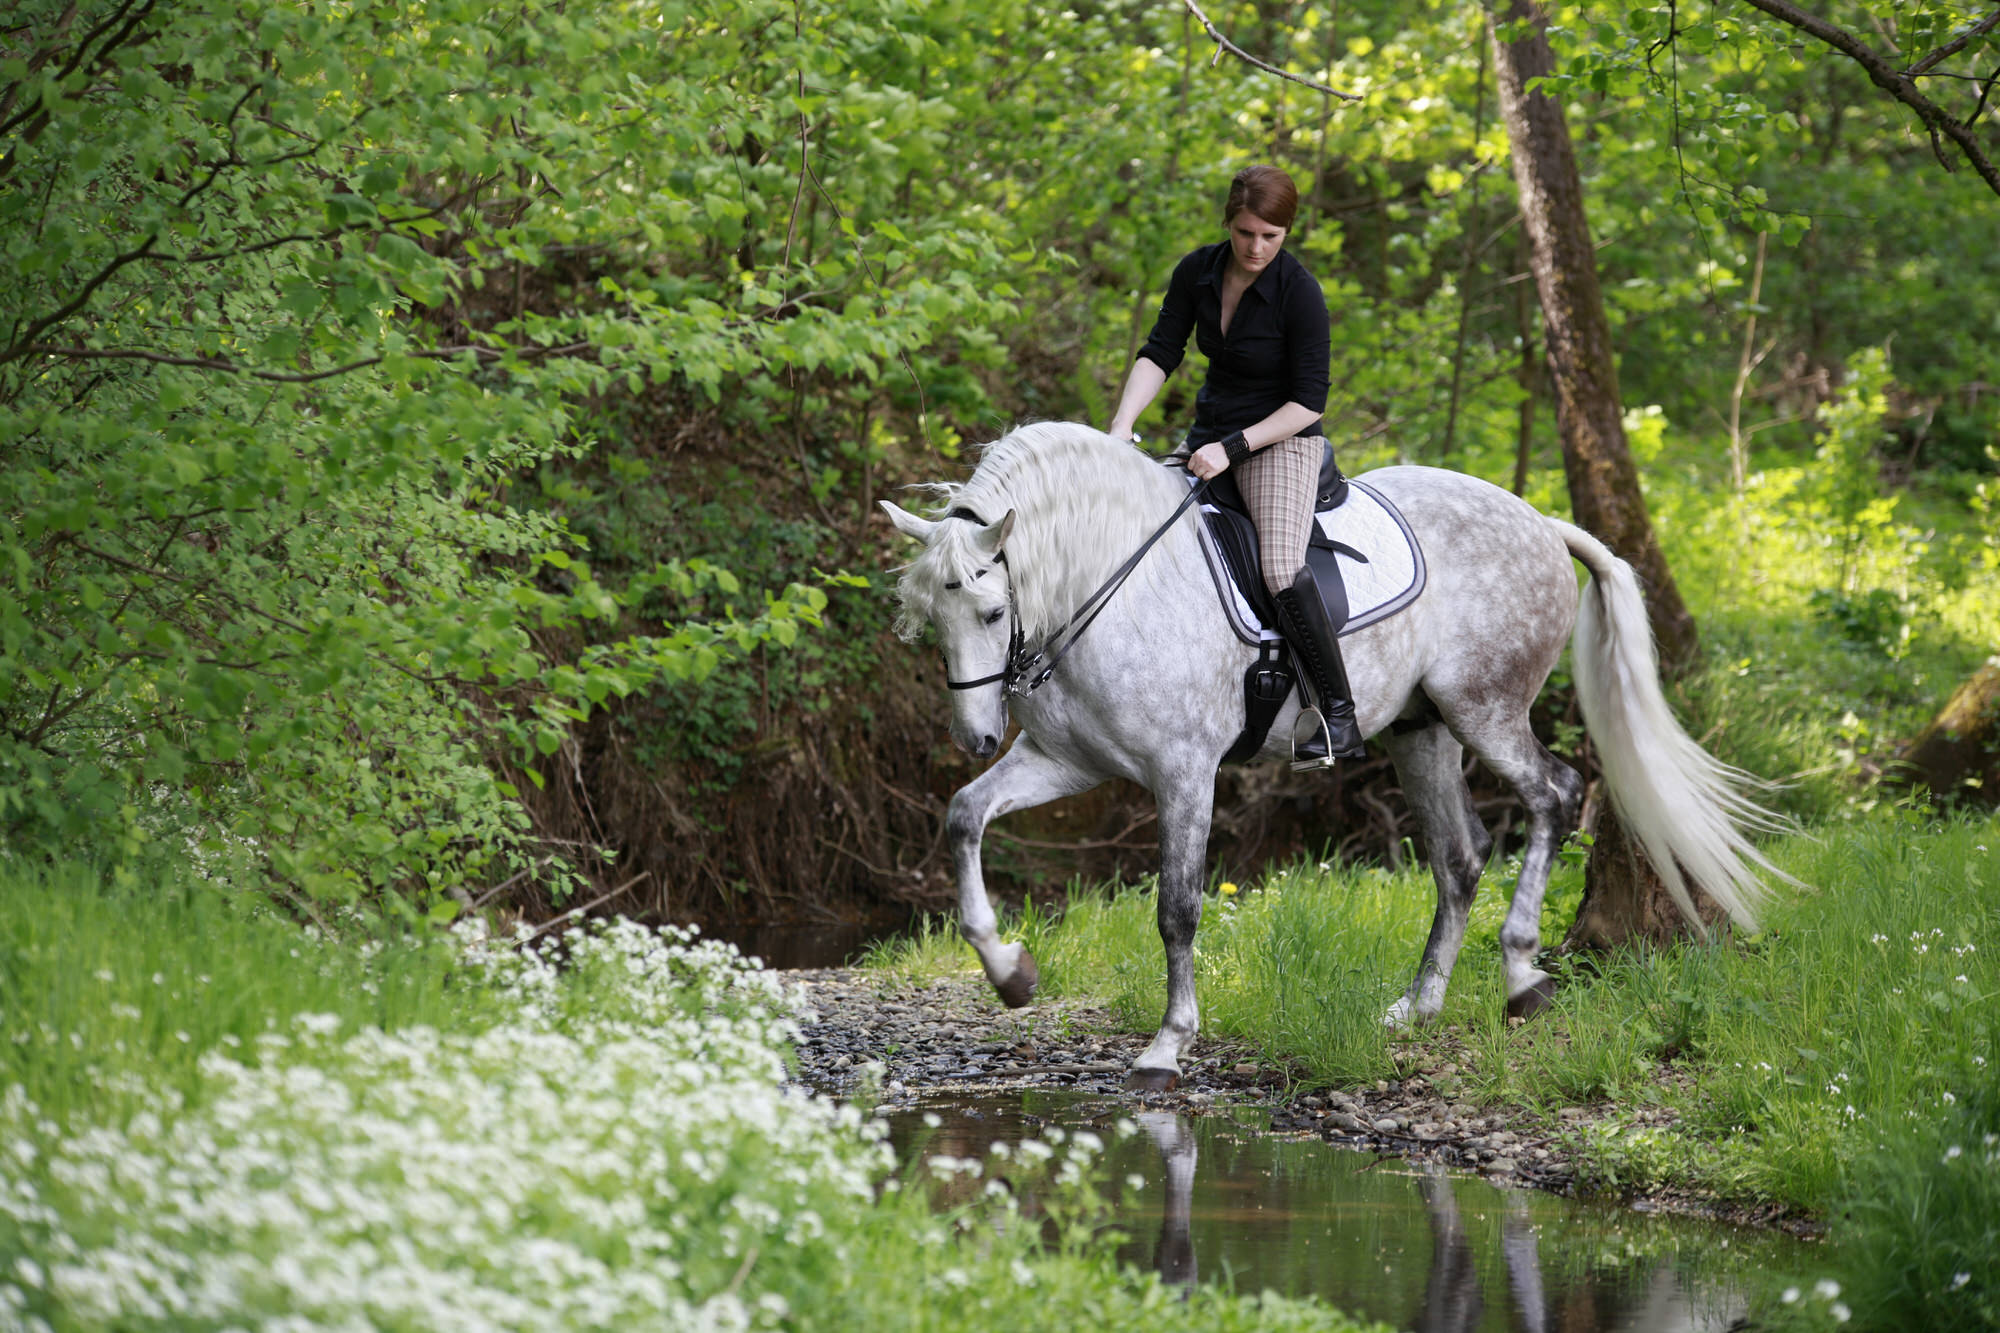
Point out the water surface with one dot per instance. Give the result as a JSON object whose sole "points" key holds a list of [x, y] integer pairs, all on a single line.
{"points": [[1410, 1245]]}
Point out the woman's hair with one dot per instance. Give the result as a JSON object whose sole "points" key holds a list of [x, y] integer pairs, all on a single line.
{"points": [[1266, 191]]}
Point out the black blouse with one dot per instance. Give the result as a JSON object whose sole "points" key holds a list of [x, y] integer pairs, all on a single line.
{"points": [[1276, 351]]}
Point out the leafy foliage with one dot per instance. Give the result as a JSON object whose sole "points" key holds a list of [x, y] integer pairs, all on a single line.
{"points": [[268, 373]]}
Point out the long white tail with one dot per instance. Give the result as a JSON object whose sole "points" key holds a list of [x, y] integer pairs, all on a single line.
{"points": [[1687, 808]]}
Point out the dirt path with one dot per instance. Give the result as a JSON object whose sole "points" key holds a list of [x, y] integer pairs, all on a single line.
{"points": [[931, 1041]]}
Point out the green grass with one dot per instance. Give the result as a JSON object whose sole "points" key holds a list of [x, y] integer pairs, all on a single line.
{"points": [[212, 1120], [108, 988], [1851, 996]]}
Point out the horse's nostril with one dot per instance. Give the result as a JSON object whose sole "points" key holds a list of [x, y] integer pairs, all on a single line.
{"points": [[987, 745]]}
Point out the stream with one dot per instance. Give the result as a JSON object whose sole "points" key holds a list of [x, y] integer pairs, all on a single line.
{"points": [[1410, 1244]]}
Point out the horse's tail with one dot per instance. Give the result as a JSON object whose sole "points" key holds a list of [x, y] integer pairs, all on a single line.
{"points": [[1688, 809]]}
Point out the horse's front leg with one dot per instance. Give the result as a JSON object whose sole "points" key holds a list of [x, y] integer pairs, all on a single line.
{"points": [[1022, 778], [1184, 819]]}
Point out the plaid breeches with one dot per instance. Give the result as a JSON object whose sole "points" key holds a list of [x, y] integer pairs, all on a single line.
{"points": [[1278, 484]]}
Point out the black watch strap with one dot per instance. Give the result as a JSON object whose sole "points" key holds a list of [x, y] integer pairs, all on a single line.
{"points": [[1235, 447]]}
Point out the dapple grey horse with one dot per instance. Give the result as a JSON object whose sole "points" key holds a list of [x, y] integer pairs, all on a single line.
{"points": [[1153, 692]]}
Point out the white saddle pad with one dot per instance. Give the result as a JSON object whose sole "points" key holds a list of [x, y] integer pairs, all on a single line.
{"points": [[1387, 581]]}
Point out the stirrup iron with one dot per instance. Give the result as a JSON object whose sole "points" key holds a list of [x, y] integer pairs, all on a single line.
{"points": [[1315, 763]]}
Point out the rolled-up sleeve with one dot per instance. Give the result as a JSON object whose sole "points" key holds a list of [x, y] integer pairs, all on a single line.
{"points": [[1167, 343], [1308, 340]]}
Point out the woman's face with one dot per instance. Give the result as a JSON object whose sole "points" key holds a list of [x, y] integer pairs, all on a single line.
{"points": [[1254, 242]]}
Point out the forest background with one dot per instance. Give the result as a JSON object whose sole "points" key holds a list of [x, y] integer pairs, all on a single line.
{"points": [[439, 445]]}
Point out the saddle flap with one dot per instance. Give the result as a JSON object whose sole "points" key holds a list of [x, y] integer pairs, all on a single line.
{"points": [[1375, 568]]}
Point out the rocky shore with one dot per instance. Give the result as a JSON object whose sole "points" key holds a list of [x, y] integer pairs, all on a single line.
{"points": [[929, 1041]]}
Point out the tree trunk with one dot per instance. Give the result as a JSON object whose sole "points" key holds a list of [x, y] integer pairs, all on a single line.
{"points": [[1958, 755], [1623, 897], [1603, 479]]}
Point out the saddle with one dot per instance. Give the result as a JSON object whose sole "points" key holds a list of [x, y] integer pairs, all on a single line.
{"points": [[1235, 534], [1385, 565]]}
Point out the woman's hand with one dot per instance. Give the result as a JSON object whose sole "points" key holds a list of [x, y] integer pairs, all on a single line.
{"points": [[1208, 461]]}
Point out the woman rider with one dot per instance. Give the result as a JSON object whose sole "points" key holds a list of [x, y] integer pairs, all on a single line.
{"points": [[1260, 319]]}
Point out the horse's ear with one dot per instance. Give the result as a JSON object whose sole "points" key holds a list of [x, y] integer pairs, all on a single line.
{"points": [[907, 523], [994, 535]]}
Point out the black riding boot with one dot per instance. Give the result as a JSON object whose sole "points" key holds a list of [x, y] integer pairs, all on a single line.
{"points": [[1315, 642]]}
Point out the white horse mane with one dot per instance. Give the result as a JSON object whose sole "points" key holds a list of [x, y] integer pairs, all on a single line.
{"points": [[1082, 501]]}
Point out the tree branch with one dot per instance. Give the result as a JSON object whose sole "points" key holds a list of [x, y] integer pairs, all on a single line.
{"points": [[227, 366], [1224, 44], [1955, 45], [1890, 80], [25, 343]]}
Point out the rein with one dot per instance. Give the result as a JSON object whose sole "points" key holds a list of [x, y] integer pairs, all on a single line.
{"points": [[1019, 676]]}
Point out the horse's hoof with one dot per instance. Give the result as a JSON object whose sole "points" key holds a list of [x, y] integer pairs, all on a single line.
{"points": [[1533, 1000], [1019, 987], [1152, 1080]]}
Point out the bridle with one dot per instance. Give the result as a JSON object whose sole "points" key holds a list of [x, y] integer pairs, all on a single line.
{"points": [[1024, 672]]}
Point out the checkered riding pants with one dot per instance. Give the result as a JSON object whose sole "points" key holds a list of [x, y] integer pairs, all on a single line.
{"points": [[1278, 483]]}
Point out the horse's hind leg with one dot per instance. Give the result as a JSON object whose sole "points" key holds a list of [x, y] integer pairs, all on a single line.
{"points": [[1431, 766], [1023, 777], [1553, 794]]}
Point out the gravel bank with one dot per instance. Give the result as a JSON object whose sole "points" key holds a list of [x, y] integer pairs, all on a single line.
{"points": [[928, 1041]]}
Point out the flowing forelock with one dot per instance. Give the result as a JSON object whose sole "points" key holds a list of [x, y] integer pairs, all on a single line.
{"points": [[1082, 503]]}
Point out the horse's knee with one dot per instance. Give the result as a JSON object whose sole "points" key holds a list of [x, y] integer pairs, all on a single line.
{"points": [[964, 820], [1457, 869], [1180, 916]]}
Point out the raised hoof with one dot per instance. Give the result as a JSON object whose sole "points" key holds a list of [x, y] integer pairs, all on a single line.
{"points": [[1533, 1000], [1019, 987], [1152, 1080]]}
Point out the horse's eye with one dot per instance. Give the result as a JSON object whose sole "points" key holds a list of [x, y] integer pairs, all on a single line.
{"points": [[993, 616]]}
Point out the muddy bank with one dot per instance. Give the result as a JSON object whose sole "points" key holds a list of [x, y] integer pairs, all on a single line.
{"points": [[926, 1040]]}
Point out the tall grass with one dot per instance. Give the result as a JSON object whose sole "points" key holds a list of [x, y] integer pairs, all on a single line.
{"points": [[106, 989], [1853, 1011]]}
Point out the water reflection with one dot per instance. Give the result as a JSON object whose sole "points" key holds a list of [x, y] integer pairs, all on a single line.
{"points": [[1411, 1246], [1174, 1137]]}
